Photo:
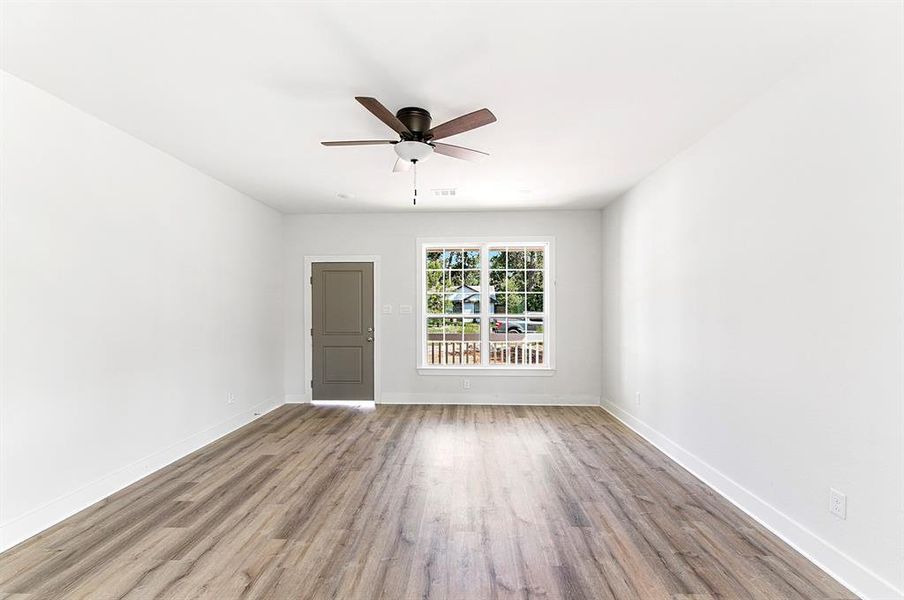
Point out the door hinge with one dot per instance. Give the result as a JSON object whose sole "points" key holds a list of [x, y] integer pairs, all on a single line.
{"points": [[312, 383], [312, 280], [312, 332]]}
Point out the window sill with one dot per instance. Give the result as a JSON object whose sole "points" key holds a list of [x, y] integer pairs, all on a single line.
{"points": [[487, 371]]}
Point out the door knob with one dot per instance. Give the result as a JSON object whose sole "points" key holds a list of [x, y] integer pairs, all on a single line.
{"points": [[370, 338], [370, 330]]}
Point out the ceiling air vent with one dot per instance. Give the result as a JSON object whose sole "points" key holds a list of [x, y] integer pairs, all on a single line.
{"points": [[443, 192]]}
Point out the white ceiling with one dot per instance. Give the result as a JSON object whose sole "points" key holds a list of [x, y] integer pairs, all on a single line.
{"points": [[590, 97]]}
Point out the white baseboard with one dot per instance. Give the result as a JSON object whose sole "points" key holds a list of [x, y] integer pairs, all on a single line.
{"points": [[850, 573], [37, 520], [298, 398], [490, 399]]}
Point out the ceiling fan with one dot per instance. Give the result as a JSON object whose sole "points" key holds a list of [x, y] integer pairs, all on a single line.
{"points": [[417, 140]]}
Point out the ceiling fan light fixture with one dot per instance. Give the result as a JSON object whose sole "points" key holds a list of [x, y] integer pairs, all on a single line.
{"points": [[413, 151]]}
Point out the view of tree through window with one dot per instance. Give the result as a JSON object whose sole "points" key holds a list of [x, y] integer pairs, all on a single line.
{"points": [[516, 295], [499, 321], [453, 306]]}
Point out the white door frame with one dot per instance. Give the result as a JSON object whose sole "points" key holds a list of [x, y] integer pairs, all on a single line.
{"points": [[309, 319]]}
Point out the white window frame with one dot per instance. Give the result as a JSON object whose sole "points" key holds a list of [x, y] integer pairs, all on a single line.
{"points": [[549, 295]]}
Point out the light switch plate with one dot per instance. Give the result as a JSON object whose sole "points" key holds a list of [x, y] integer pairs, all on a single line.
{"points": [[387, 309], [405, 309]]}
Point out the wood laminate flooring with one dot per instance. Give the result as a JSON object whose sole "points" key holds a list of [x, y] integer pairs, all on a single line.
{"points": [[456, 502]]}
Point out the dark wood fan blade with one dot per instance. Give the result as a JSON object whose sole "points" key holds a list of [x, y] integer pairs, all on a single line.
{"points": [[467, 122], [383, 113], [360, 143], [458, 151], [401, 166]]}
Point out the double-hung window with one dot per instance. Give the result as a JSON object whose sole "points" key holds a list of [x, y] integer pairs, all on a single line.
{"points": [[485, 304]]}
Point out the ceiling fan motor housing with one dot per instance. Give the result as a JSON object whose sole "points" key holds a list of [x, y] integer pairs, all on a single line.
{"points": [[417, 120]]}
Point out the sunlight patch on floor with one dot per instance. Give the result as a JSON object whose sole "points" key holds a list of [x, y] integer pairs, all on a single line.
{"points": [[356, 404]]}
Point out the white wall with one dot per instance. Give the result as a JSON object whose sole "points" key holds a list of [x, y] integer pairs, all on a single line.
{"points": [[137, 292], [393, 238], [753, 298]]}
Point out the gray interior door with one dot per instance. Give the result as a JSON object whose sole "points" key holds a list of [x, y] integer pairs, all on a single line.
{"points": [[342, 303]]}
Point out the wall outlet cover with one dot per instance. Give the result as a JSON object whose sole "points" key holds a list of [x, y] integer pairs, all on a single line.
{"points": [[387, 309], [837, 503], [405, 309]]}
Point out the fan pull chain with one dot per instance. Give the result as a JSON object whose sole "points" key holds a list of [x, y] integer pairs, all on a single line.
{"points": [[414, 168]]}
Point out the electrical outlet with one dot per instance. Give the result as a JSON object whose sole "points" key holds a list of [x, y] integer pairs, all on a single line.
{"points": [[405, 309], [466, 383], [387, 309], [230, 398], [837, 503]]}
